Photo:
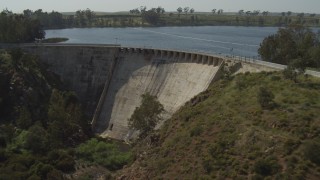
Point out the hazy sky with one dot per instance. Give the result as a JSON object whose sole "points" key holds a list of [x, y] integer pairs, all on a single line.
{"points": [[311, 6]]}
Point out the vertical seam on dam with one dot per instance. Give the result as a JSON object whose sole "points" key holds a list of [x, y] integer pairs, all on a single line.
{"points": [[104, 92]]}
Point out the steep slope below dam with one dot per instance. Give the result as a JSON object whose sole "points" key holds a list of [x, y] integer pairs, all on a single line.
{"points": [[110, 80]]}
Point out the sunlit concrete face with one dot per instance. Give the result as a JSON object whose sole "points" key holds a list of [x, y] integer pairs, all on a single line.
{"points": [[174, 77]]}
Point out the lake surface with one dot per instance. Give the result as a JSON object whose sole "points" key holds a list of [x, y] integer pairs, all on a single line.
{"points": [[241, 41]]}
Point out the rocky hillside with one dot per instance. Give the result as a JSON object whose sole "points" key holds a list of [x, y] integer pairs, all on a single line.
{"points": [[253, 125]]}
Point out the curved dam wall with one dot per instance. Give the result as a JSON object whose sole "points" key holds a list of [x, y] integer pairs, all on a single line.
{"points": [[174, 77], [110, 80]]}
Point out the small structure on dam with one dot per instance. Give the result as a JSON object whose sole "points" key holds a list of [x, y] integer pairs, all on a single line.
{"points": [[110, 80]]}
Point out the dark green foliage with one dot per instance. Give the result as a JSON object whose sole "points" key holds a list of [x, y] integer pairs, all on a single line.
{"points": [[105, 154], [55, 175], [241, 83], [151, 17], [24, 120], [311, 151], [65, 118], [35, 118], [267, 166], [290, 73], [25, 89], [295, 45], [61, 160], [18, 28], [3, 155], [265, 98], [83, 18], [37, 140], [147, 115], [54, 40], [290, 145], [40, 171], [196, 131]]}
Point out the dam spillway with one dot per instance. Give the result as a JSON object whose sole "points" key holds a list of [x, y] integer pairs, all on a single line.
{"points": [[109, 80]]}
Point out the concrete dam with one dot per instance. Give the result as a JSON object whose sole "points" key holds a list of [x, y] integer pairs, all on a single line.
{"points": [[109, 79]]}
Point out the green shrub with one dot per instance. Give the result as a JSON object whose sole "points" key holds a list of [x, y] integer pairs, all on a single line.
{"points": [[290, 145], [311, 151], [61, 160], [40, 170], [265, 98], [275, 78], [290, 73], [267, 166], [37, 140], [241, 82], [196, 131], [207, 165], [24, 120], [3, 155], [105, 154]]}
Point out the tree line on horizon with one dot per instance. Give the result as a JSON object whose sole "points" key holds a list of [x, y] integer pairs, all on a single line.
{"points": [[30, 25], [160, 17], [17, 28]]}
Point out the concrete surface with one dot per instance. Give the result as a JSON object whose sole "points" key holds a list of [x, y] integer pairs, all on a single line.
{"points": [[172, 80]]}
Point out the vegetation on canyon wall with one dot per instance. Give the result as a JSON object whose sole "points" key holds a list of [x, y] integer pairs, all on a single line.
{"points": [[44, 133], [252, 125]]}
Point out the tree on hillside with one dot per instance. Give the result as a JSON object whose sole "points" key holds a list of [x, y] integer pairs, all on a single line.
{"points": [[265, 13], [160, 10], [220, 11], [283, 13], [27, 13], [300, 15], [241, 12], [291, 43], [214, 11], [256, 12], [265, 98], [312, 15], [89, 15], [18, 28], [143, 9], [151, 16], [191, 10], [179, 10], [147, 115], [289, 13], [134, 11], [186, 10]]}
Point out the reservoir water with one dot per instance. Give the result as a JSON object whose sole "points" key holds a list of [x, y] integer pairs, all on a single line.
{"points": [[228, 40]]}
